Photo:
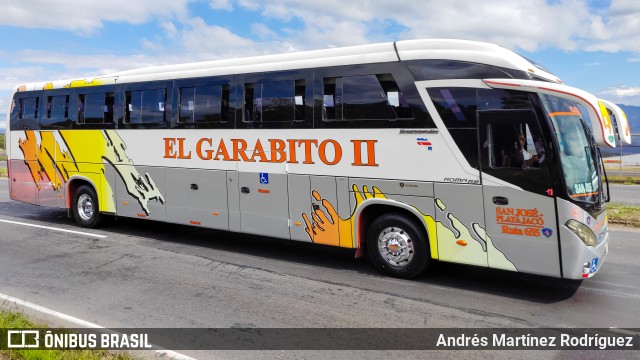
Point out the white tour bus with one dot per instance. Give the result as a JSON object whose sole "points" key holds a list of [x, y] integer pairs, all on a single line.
{"points": [[412, 151]]}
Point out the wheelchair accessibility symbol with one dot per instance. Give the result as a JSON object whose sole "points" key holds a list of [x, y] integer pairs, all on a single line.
{"points": [[264, 178]]}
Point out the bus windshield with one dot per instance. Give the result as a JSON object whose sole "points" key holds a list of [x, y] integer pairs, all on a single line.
{"points": [[577, 155]]}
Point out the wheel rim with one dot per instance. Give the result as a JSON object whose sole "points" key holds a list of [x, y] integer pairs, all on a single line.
{"points": [[395, 246], [85, 207]]}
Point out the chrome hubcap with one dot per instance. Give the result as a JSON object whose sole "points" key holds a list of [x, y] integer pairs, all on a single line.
{"points": [[395, 246], [85, 207]]}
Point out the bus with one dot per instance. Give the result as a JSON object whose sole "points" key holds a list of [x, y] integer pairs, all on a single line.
{"points": [[411, 152]]}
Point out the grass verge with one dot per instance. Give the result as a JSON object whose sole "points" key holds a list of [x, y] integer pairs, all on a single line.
{"points": [[626, 180], [3, 172], [9, 319], [624, 214]]}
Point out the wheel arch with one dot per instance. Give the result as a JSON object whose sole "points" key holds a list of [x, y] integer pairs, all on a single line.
{"points": [[369, 210], [74, 183]]}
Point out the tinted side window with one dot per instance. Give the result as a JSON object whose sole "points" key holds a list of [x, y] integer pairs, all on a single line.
{"points": [[145, 106], [204, 104], [448, 69], [57, 113], [498, 99], [513, 148], [456, 106], [274, 101], [364, 98], [29, 108], [95, 108], [57, 107], [457, 109], [15, 122]]}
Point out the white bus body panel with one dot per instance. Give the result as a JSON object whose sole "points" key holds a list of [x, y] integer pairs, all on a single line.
{"points": [[624, 131]]}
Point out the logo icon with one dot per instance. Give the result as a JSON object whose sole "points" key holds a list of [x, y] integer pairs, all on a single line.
{"points": [[547, 232], [594, 265], [401, 184], [23, 339], [424, 142]]}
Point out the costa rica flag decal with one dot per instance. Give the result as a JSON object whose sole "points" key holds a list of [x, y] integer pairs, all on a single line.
{"points": [[424, 142]]}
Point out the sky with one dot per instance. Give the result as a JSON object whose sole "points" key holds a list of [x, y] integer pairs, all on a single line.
{"points": [[590, 44]]}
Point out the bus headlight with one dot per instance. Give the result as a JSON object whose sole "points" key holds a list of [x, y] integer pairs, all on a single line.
{"points": [[583, 231]]}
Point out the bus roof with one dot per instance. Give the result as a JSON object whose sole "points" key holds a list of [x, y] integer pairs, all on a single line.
{"points": [[437, 49]]}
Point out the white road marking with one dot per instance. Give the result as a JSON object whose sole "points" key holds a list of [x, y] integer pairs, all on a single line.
{"points": [[54, 229], [80, 322]]}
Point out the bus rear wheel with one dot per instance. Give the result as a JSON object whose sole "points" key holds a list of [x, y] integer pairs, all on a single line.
{"points": [[397, 246], [85, 207]]}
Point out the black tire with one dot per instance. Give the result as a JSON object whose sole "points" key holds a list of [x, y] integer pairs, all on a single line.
{"points": [[398, 246], [85, 207]]}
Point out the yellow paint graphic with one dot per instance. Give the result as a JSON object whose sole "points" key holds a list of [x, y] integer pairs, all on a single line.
{"points": [[29, 147], [84, 154], [90, 82], [143, 188], [605, 117], [328, 227], [445, 242], [47, 159], [48, 86]]}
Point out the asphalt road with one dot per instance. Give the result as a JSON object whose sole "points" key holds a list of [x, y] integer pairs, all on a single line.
{"points": [[626, 171], [625, 194], [148, 274]]}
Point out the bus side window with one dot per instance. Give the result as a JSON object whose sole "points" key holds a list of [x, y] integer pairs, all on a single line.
{"points": [[95, 108], [57, 112], [364, 98], [25, 113], [81, 102], [16, 123], [145, 106], [329, 100], [395, 98], [511, 148], [514, 146], [274, 101], [457, 109], [204, 104], [58, 107], [29, 108]]}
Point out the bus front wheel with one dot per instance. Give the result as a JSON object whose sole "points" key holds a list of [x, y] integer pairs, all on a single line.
{"points": [[85, 207], [397, 246]]}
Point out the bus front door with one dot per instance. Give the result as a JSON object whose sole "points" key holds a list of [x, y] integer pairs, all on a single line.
{"points": [[518, 193]]}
